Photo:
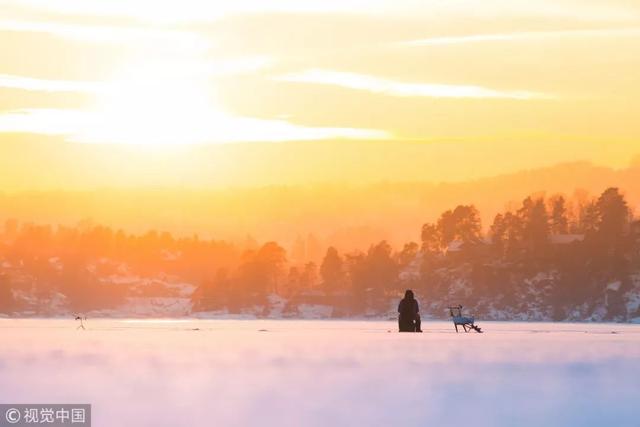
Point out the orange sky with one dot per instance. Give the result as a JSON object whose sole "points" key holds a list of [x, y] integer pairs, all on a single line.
{"points": [[200, 93]]}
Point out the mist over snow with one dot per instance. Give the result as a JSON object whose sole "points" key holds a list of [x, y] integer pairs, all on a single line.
{"points": [[318, 373]]}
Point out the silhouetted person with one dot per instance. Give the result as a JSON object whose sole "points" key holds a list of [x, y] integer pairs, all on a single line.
{"points": [[409, 313]]}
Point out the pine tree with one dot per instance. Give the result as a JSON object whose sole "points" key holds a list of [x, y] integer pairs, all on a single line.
{"points": [[332, 271], [6, 295], [559, 221]]}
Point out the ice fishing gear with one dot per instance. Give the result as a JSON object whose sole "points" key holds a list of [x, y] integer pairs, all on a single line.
{"points": [[464, 321]]}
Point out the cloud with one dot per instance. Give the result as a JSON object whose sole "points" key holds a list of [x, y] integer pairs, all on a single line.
{"points": [[215, 127], [526, 35], [208, 68], [228, 66], [383, 86], [101, 33], [44, 85], [187, 10], [207, 10]]}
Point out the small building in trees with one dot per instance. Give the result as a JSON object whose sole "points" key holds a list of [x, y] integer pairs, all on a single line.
{"points": [[565, 239], [459, 248]]}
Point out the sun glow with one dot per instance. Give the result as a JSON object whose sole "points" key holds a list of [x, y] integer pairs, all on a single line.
{"points": [[155, 103], [173, 103], [143, 73]]}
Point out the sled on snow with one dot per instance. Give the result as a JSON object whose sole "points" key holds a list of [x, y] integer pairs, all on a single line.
{"points": [[467, 322]]}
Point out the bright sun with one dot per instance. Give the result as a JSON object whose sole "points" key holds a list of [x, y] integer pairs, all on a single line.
{"points": [[156, 104], [162, 103]]}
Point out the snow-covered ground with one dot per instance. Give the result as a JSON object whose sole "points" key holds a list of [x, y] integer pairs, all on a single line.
{"points": [[323, 373]]}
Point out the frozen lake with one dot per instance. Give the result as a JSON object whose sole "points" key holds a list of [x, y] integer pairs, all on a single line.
{"points": [[321, 373]]}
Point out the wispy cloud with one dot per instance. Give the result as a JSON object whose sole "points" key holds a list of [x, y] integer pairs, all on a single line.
{"points": [[99, 33], [189, 10], [44, 85], [208, 68], [216, 127], [207, 10], [176, 39], [379, 85], [525, 35]]}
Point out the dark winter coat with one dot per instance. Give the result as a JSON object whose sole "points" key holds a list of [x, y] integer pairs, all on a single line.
{"points": [[408, 310]]}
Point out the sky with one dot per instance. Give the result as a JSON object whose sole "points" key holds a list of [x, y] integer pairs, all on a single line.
{"points": [[508, 84]]}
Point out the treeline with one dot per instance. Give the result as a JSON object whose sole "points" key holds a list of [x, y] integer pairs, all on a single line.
{"points": [[41, 261], [583, 243]]}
